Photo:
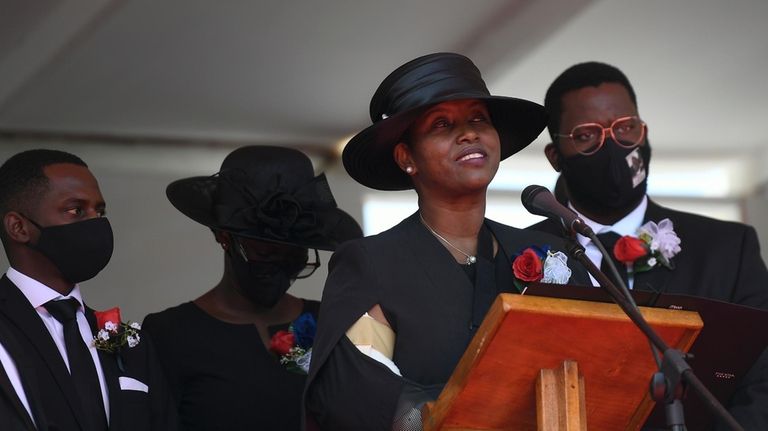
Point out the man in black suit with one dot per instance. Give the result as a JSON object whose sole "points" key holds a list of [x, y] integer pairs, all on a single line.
{"points": [[55, 235], [600, 146]]}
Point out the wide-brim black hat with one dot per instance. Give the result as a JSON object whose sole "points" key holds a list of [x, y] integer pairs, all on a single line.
{"points": [[266, 193], [409, 91]]}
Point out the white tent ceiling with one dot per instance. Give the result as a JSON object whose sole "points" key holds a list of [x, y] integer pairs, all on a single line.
{"points": [[301, 72]]}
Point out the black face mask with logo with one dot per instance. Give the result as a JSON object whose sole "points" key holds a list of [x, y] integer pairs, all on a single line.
{"points": [[612, 178], [79, 250], [264, 283]]}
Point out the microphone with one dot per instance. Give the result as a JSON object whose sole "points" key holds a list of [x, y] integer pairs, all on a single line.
{"points": [[540, 201]]}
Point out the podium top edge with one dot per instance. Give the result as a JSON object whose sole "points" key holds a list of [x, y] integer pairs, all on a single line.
{"points": [[596, 310]]}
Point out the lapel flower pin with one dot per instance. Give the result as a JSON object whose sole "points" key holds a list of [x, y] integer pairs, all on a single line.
{"points": [[113, 333], [294, 346], [540, 264], [655, 244]]}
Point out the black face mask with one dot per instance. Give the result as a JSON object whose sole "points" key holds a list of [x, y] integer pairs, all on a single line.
{"points": [[264, 283], [612, 178], [79, 250]]}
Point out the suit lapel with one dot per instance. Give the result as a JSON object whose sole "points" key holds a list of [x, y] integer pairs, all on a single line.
{"points": [[111, 375], [6, 387], [512, 244], [20, 314], [657, 279], [28, 377]]}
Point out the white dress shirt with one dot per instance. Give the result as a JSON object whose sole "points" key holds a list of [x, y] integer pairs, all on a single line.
{"points": [[626, 226], [9, 365], [38, 294]]}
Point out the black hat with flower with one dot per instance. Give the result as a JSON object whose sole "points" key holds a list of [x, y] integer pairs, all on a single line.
{"points": [[266, 193]]}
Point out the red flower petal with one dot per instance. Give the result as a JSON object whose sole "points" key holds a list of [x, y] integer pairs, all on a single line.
{"points": [[527, 266], [111, 315], [628, 249], [282, 342]]}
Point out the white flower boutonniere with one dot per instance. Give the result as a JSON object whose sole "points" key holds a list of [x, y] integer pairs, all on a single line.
{"points": [[655, 244], [556, 269], [113, 334]]}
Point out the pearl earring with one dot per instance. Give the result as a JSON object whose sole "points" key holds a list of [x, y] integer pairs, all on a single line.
{"points": [[409, 170]]}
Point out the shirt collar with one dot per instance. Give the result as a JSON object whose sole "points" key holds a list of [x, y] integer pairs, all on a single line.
{"points": [[37, 293], [626, 226]]}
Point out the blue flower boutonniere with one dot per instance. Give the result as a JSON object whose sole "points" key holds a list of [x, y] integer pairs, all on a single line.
{"points": [[294, 346]]}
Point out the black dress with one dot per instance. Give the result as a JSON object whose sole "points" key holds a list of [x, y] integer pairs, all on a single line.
{"points": [[221, 374]]}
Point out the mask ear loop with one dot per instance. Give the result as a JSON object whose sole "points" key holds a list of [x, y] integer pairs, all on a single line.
{"points": [[35, 224], [239, 247], [30, 220]]}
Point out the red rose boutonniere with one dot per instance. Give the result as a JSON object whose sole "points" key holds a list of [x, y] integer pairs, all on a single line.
{"points": [[527, 266], [655, 244], [537, 264], [628, 249], [294, 346], [113, 333]]}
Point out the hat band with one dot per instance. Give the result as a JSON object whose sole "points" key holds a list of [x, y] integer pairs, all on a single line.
{"points": [[431, 83]]}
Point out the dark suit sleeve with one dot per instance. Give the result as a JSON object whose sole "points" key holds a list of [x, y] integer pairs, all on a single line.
{"points": [[752, 283], [353, 392], [347, 390], [749, 405]]}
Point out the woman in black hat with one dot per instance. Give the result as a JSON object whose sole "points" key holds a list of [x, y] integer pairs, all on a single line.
{"points": [[236, 357], [399, 308]]}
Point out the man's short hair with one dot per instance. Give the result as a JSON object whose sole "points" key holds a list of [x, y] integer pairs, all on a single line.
{"points": [[22, 180], [589, 74]]}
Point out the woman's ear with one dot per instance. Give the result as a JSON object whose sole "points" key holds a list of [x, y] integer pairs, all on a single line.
{"points": [[553, 155], [402, 155]]}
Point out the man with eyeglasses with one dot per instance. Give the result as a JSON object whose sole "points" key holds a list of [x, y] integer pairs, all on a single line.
{"points": [[600, 147], [232, 354]]}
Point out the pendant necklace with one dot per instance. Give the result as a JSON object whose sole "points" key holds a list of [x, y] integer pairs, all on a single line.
{"points": [[470, 258]]}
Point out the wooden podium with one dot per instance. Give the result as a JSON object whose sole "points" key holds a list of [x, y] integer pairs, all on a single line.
{"points": [[494, 386]]}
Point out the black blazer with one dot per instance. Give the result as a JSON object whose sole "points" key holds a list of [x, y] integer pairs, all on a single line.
{"points": [[426, 297], [718, 260], [129, 409]]}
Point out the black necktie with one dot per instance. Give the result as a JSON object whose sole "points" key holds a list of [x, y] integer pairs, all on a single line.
{"points": [[81, 365], [609, 240]]}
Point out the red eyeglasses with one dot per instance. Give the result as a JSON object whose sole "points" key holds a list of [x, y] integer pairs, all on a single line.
{"points": [[588, 138]]}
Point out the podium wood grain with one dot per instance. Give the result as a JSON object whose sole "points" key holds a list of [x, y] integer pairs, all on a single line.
{"points": [[493, 386]]}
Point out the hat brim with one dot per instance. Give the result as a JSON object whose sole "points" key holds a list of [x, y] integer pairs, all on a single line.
{"points": [[369, 155], [193, 197]]}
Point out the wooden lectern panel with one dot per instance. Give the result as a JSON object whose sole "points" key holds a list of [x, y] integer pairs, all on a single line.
{"points": [[560, 399], [493, 386]]}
